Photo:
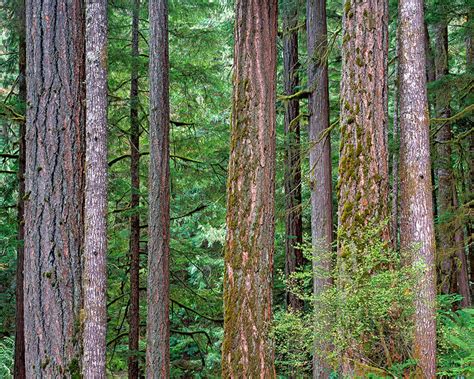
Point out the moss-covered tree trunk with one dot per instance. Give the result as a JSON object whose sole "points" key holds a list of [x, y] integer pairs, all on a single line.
{"points": [[158, 329], [443, 167], [134, 310], [416, 228], [293, 218], [363, 165], [54, 185], [247, 348], [95, 213], [319, 159], [19, 367]]}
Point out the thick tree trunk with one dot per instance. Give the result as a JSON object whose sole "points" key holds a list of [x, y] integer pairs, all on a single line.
{"points": [[54, 185], [95, 215], [417, 229], [19, 368], [319, 159], [134, 310], [444, 171], [363, 165], [247, 349], [293, 219], [158, 333]]}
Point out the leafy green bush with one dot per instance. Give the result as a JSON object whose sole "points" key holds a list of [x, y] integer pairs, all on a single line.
{"points": [[7, 349], [455, 339], [365, 316]]}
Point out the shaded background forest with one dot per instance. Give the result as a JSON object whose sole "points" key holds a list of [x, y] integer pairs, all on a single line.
{"points": [[201, 47]]}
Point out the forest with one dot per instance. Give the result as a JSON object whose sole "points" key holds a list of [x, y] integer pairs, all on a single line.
{"points": [[236, 189]]}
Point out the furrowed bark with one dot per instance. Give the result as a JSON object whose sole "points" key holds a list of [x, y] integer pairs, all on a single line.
{"points": [[319, 159], [247, 350], [363, 166], [54, 186], [134, 310], [95, 215], [446, 185], [19, 366], [417, 229], [157, 353], [293, 219]]}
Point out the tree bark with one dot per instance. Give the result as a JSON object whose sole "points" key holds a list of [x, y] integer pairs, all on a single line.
{"points": [[247, 350], [134, 310], [444, 171], [19, 367], [157, 353], [417, 229], [54, 185], [461, 265], [293, 219], [95, 215], [395, 161], [319, 159], [363, 165]]}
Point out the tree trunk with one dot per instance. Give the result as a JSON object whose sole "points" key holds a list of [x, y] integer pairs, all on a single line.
{"points": [[319, 159], [134, 310], [470, 181], [444, 171], [247, 350], [19, 367], [395, 161], [417, 229], [54, 185], [461, 264], [293, 220], [158, 333], [363, 165], [95, 215]]}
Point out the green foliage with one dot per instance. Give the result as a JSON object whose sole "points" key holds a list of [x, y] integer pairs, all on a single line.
{"points": [[7, 349], [293, 336], [455, 339], [365, 315]]}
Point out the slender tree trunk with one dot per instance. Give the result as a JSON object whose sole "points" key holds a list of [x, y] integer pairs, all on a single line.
{"points": [[395, 161], [134, 310], [417, 229], [319, 160], [363, 166], [461, 264], [444, 171], [247, 349], [19, 368], [158, 332], [470, 181], [54, 186], [95, 215], [293, 221]]}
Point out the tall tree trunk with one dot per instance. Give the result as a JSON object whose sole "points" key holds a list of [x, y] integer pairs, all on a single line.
{"points": [[95, 215], [19, 368], [417, 229], [293, 221], [247, 350], [134, 310], [395, 160], [158, 332], [319, 159], [444, 171], [470, 181], [54, 185], [363, 166]]}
